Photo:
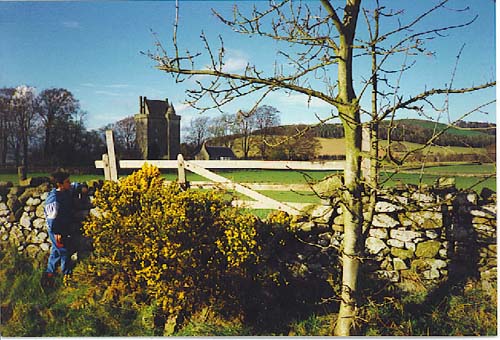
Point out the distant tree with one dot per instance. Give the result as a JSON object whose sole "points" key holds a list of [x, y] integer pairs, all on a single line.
{"points": [[124, 137], [188, 150], [221, 127], [329, 131], [24, 109], [297, 144], [198, 131], [265, 117], [244, 125], [93, 145], [6, 122], [69, 148], [126, 134], [55, 107]]}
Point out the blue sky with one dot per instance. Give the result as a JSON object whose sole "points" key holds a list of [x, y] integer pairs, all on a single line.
{"points": [[93, 50]]}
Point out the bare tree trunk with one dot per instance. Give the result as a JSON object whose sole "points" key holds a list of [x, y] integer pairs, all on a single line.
{"points": [[5, 145], [353, 220], [25, 151], [47, 147], [352, 204], [245, 145], [17, 153], [3, 142]]}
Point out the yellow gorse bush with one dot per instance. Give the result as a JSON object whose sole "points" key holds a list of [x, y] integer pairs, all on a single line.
{"points": [[157, 242]]}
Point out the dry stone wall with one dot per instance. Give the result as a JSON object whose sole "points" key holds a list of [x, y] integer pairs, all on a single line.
{"points": [[22, 220], [416, 239], [420, 239]]}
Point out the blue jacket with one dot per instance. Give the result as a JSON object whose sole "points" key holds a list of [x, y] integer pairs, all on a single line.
{"points": [[59, 211]]}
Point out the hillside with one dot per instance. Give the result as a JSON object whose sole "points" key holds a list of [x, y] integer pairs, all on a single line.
{"points": [[335, 146], [466, 134], [460, 131], [455, 144]]}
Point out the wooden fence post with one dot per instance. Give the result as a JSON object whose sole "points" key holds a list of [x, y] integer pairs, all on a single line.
{"points": [[181, 173], [113, 172], [365, 148], [105, 162]]}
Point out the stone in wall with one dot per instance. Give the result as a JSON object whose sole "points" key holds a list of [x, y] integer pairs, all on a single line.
{"points": [[399, 264], [402, 254], [25, 220], [426, 219], [13, 203], [391, 276], [432, 234], [395, 243], [374, 245], [404, 235], [384, 221], [422, 198], [427, 249], [387, 207], [378, 233]]}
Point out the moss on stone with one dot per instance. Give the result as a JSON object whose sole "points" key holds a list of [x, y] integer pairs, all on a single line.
{"points": [[403, 254], [427, 249]]}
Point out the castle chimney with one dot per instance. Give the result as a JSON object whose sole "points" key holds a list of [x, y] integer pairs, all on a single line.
{"points": [[140, 105]]}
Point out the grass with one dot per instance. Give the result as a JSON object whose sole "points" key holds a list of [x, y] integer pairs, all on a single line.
{"points": [[437, 149], [336, 146], [461, 182], [28, 310], [457, 311], [292, 196], [458, 169]]}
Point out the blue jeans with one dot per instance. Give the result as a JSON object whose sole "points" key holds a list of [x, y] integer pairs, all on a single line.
{"points": [[58, 254]]}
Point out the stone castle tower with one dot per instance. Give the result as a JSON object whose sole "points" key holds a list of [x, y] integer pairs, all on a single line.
{"points": [[157, 129]]}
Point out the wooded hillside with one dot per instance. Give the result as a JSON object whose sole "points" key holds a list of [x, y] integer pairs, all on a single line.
{"points": [[468, 141]]}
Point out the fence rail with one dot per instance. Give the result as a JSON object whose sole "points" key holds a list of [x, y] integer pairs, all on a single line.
{"points": [[110, 165], [232, 164]]}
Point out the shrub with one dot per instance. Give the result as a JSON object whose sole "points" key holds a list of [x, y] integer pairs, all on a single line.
{"points": [[281, 288], [156, 243]]}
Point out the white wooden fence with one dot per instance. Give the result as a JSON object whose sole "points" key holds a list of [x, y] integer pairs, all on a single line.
{"points": [[110, 166]]}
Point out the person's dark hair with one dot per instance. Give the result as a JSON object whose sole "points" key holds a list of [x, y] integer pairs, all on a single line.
{"points": [[59, 177]]}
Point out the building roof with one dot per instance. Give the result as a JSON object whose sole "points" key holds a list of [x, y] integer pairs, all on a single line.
{"points": [[215, 152], [156, 107], [219, 151]]}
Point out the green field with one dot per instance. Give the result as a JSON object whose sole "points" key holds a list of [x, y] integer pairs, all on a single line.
{"points": [[460, 169], [437, 149], [473, 176], [440, 126]]}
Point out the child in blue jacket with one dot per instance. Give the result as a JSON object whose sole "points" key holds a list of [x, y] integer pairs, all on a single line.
{"points": [[59, 215]]}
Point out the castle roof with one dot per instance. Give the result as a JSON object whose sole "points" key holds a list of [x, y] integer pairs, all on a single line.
{"points": [[156, 107]]}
